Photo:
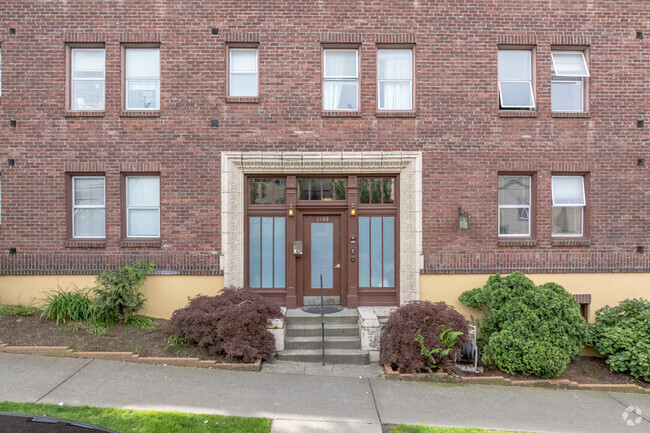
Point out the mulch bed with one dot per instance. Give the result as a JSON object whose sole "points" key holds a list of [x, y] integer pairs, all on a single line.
{"points": [[33, 331], [584, 369]]}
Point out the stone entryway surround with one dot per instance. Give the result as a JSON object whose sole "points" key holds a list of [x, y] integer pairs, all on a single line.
{"points": [[408, 165]]}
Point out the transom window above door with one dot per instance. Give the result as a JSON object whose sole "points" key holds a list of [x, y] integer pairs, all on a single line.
{"points": [[378, 190], [266, 191], [322, 189]]}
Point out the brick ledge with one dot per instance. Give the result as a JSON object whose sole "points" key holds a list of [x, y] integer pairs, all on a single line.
{"points": [[500, 380], [65, 351]]}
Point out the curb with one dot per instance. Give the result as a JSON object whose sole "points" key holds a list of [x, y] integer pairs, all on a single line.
{"points": [[129, 357], [500, 380]]}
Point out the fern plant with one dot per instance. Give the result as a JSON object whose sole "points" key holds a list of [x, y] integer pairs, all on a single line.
{"points": [[433, 356]]}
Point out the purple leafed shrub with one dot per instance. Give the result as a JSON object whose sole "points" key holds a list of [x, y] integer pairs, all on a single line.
{"points": [[398, 346], [232, 323]]}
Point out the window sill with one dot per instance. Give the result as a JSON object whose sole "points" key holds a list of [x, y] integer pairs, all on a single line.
{"points": [[570, 114], [517, 113], [80, 113], [396, 114], [243, 99], [340, 113], [140, 243], [577, 242], [140, 113], [85, 243], [517, 242]]}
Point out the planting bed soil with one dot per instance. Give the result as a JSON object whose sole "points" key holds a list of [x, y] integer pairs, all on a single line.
{"points": [[583, 370], [34, 331]]}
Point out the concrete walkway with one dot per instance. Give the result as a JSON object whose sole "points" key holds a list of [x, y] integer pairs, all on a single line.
{"points": [[300, 402]]}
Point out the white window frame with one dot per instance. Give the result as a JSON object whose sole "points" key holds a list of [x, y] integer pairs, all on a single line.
{"points": [[530, 83], [581, 205], [579, 78], [129, 208], [255, 72], [73, 79], [135, 80], [88, 206], [343, 78], [410, 81], [515, 206]]}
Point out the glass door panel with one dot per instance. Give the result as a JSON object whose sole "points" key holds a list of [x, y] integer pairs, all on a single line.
{"points": [[322, 255]]}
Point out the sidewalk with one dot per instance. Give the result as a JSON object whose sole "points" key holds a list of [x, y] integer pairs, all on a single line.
{"points": [[304, 403]]}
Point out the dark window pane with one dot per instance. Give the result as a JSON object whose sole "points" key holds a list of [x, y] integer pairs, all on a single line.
{"points": [[376, 259], [339, 189], [364, 191], [278, 252], [376, 191], [278, 191], [389, 252], [364, 252], [328, 193], [315, 189], [267, 191], [267, 252], [303, 188], [389, 190], [254, 253], [254, 191]]}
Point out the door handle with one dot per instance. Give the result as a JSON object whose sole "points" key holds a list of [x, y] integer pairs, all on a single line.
{"points": [[338, 266]]}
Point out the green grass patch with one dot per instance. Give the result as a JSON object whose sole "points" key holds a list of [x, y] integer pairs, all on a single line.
{"points": [[17, 310], [140, 421], [425, 429]]}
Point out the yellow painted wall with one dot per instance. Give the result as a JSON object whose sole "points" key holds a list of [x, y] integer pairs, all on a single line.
{"points": [[605, 289], [164, 293]]}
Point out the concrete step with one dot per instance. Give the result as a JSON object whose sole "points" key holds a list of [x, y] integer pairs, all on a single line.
{"points": [[332, 356], [294, 343], [299, 317], [351, 330]]}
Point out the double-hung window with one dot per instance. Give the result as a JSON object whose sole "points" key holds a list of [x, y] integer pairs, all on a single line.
{"points": [[569, 71], [142, 79], [87, 78], [88, 207], [243, 72], [568, 205], [514, 205], [395, 79], [143, 206], [341, 79], [516, 79]]}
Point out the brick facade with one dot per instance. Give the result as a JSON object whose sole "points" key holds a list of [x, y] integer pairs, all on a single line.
{"points": [[457, 125]]}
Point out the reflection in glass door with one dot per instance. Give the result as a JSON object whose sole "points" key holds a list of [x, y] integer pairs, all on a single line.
{"points": [[322, 255], [322, 258]]}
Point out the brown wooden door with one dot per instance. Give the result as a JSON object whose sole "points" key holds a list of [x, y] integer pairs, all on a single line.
{"points": [[322, 258]]}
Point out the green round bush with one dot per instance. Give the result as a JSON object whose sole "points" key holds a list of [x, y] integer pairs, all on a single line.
{"points": [[527, 329], [623, 334]]}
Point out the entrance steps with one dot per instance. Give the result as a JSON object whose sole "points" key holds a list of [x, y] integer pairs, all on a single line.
{"points": [[303, 342]]}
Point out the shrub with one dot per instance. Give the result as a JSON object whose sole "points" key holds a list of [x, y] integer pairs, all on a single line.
{"points": [[399, 347], [623, 334], [62, 305], [117, 295], [528, 329], [232, 323]]}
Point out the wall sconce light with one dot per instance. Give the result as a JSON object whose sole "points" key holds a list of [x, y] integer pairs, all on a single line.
{"points": [[353, 210], [463, 219], [290, 210]]}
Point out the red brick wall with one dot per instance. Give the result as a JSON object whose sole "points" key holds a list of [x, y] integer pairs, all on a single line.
{"points": [[458, 128]]}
